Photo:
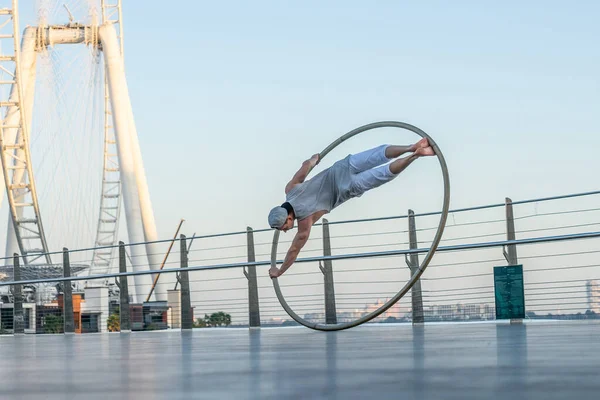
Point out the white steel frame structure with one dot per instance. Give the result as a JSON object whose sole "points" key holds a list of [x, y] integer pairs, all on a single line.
{"points": [[123, 175], [110, 201], [16, 113]]}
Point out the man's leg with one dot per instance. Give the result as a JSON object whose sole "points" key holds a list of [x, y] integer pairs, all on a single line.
{"points": [[392, 152], [400, 165], [379, 155], [375, 177]]}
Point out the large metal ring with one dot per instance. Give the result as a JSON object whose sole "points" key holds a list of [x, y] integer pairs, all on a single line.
{"points": [[426, 260]]}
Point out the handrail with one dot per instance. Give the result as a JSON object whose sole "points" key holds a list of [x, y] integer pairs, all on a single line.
{"points": [[425, 214], [470, 246]]}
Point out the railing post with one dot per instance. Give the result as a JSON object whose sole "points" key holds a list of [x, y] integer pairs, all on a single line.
{"points": [[18, 320], [250, 273], [124, 313], [327, 270], [510, 250], [510, 253], [68, 316], [413, 263], [184, 281]]}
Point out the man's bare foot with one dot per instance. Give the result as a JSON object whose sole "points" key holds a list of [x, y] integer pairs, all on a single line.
{"points": [[423, 143], [425, 151]]}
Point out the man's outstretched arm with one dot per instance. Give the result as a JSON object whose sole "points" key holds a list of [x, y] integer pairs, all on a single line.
{"points": [[297, 244], [303, 172]]}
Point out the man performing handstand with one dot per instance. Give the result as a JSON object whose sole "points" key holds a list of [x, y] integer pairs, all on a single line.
{"points": [[307, 201]]}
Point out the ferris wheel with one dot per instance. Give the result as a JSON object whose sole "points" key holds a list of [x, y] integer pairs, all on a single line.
{"points": [[69, 149]]}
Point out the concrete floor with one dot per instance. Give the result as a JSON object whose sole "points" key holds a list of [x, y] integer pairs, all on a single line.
{"points": [[554, 360]]}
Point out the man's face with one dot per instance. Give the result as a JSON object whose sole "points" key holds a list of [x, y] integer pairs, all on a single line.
{"points": [[289, 224]]}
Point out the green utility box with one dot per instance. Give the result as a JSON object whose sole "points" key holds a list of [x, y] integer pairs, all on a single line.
{"points": [[509, 292]]}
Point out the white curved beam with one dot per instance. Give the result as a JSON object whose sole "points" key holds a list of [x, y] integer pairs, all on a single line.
{"points": [[149, 225], [121, 108]]}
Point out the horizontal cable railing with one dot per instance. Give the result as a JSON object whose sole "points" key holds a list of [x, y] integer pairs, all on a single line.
{"points": [[391, 253], [556, 242], [352, 221]]}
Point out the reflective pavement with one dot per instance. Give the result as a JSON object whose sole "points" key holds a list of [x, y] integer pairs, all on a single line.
{"points": [[537, 360]]}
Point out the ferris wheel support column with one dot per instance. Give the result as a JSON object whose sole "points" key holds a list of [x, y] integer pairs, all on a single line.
{"points": [[28, 74], [152, 249], [112, 12], [121, 105]]}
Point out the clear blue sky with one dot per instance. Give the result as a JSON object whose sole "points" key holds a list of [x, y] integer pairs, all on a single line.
{"points": [[230, 98]]}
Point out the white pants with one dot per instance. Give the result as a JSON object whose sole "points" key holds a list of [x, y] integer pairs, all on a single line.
{"points": [[370, 169]]}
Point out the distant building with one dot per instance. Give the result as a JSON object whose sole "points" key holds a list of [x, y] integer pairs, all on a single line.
{"points": [[593, 294], [489, 312], [394, 311], [317, 318], [446, 311], [472, 311], [459, 312], [91, 309]]}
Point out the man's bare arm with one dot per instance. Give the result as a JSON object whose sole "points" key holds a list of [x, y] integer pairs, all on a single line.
{"points": [[304, 227], [302, 173], [297, 244]]}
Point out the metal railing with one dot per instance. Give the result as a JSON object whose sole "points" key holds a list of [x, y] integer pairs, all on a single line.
{"points": [[214, 279]]}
